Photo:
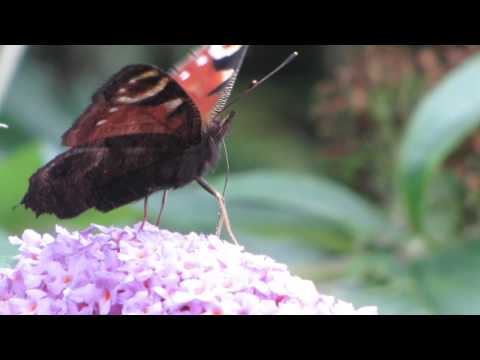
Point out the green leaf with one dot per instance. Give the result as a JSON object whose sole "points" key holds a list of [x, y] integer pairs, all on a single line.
{"points": [[193, 209], [282, 207], [10, 57], [449, 280], [443, 120], [444, 217], [379, 279], [291, 225], [308, 198], [443, 284], [397, 299], [7, 251], [33, 104], [14, 174]]}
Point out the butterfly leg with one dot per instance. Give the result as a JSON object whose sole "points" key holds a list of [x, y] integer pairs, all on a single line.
{"points": [[145, 213], [164, 204], [225, 127], [219, 228], [221, 201]]}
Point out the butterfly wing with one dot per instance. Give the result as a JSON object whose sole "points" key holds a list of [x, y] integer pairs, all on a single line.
{"points": [[131, 141], [140, 99], [109, 174], [208, 76]]}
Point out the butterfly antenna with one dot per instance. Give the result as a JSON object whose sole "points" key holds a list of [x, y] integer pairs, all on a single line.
{"points": [[256, 83]]}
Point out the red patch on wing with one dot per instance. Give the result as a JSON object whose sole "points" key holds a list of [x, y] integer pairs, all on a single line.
{"points": [[205, 71]]}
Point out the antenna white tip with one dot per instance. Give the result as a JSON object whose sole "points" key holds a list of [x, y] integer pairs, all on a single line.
{"points": [[3, 126]]}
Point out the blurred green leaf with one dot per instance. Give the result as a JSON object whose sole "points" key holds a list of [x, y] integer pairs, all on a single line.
{"points": [[15, 172], [444, 119], [383, 280], [317, 198], [33, 104], [12, 137], [10, 57], [445, 212], [314, 213], [291, 225], [251, 220], [400, 298], [289, 251], [449, 280], [258, 137], [442, 284], [7, 251]]}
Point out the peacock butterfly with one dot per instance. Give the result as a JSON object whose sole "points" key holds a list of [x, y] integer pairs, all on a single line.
{"points": [[146, 130]]}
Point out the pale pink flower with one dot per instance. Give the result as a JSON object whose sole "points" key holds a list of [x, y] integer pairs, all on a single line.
{"points": [[112, 271]]}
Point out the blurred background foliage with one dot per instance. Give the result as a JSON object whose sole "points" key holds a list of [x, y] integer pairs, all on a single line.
{"points": [[357, 165]]}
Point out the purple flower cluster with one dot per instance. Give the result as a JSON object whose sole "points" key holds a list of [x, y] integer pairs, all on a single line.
{"points": [[111, 271]]}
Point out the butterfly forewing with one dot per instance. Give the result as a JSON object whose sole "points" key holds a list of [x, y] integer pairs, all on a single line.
{"points": [[208, 76], [140, 99]]}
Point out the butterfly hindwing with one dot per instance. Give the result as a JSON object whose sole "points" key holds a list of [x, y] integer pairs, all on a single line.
{"points": [[140, 99], [112, 173]]}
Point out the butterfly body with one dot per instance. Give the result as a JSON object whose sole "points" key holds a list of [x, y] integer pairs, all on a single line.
{"points": [[146, 130]]}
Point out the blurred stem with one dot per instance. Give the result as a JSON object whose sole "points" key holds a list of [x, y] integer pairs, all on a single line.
{"points": [[10, 57]]}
